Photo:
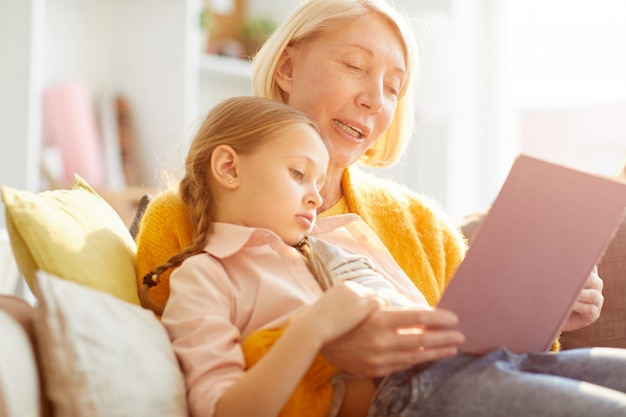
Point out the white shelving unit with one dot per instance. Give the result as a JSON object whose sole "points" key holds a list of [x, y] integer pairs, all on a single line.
{"points": [[142, 50], [224, 66], [20, 34]]}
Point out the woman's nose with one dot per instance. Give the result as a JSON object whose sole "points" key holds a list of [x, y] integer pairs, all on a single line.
{"points": [[371, 98]]}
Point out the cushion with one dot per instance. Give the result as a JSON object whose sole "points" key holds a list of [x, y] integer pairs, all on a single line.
{"points": [[24, 314], [102, 356], [74, 234], [20, 392]]}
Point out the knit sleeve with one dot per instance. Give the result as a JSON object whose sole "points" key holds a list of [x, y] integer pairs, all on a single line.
{"points": [[165, 230]]}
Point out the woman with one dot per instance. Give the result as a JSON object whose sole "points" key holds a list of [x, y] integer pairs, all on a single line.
{"points": [[350, 65]]}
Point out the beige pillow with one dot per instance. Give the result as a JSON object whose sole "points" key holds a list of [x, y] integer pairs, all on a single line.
{"points": [[102, 356], [19, 381], [74, 234], [15, 391]]}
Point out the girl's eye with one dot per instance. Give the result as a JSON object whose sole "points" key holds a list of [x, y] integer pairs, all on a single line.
{"points": [[299, 175]]}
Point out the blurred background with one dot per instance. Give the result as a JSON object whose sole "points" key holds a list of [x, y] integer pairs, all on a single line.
{"points": [[112, 89]]}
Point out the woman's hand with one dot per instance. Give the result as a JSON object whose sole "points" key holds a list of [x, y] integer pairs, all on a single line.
{"points": [[389, 340], [588, 306]]}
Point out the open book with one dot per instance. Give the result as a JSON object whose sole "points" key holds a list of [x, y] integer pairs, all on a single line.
{"points": [[539, 242]]}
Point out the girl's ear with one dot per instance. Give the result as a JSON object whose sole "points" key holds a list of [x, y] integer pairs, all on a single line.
{"points": [[284, 70], [224, 166]]}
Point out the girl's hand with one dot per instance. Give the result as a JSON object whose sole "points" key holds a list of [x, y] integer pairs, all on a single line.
{"points": [[342, 308], [588, 305]]}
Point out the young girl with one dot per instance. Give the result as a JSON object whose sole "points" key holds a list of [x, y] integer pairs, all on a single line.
{"points": [[252, 181]]}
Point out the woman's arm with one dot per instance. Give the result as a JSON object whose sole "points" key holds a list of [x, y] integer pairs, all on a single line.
{"points": [[264, 389]]}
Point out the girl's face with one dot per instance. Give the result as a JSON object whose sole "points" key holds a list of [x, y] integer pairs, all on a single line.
{"points": [[347, 81], [279, 183]]}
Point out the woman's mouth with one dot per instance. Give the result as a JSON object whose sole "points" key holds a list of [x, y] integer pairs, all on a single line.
{"points": [[350, 130]]}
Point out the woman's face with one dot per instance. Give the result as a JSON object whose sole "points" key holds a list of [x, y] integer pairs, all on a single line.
{"points": [[348, 81]]}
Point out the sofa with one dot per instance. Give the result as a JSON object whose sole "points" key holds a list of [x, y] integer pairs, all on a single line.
{"points": [[87, 348]]}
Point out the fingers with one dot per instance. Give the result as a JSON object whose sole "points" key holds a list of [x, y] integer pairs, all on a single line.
{"points": [[590, 300], [591, 297], [391, 340], [594, 281], [403, 350], [588, 306], [420, 317], [404, 359]]}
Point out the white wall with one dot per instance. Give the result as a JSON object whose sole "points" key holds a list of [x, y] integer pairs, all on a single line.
{"points": [[19, 101]]}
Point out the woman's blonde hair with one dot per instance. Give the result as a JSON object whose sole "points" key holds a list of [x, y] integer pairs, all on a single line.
{"points": [[314, 17], [244, 124]]}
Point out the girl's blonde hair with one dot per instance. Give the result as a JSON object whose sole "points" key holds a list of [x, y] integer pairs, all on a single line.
{"points": [[244, 124], [315, 17]]}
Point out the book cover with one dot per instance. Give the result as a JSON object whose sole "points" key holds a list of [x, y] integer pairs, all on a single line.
{"points": [[545, 231]]}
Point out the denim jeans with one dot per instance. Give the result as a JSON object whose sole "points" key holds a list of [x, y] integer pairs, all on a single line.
{"points": [[580, 382]]}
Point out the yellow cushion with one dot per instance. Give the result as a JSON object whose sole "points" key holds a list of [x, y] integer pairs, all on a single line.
{"points": [[74, 234]]}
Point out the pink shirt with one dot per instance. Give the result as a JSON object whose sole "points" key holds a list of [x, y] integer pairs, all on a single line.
{"points": [[250, 280]]}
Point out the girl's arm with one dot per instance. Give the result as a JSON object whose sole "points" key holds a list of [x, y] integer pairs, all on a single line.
{"points": [[264, 389]]}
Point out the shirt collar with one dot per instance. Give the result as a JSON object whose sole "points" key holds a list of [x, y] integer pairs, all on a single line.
{"points": [[228, 239]]}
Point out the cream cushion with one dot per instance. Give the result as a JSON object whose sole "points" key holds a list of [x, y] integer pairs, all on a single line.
{"points": [[74, 234], [102, 356], [19, 396]]}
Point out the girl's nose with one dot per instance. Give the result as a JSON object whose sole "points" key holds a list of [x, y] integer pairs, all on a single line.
{"points": [[315, 198]]}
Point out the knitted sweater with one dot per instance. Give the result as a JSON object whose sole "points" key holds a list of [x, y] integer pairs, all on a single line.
{"points": [[426, 245]]}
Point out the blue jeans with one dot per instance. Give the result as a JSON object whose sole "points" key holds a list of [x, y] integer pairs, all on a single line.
{"points": [[580, 382]]}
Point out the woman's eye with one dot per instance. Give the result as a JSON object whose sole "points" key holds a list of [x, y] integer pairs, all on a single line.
{"points": [[393, 91]]}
